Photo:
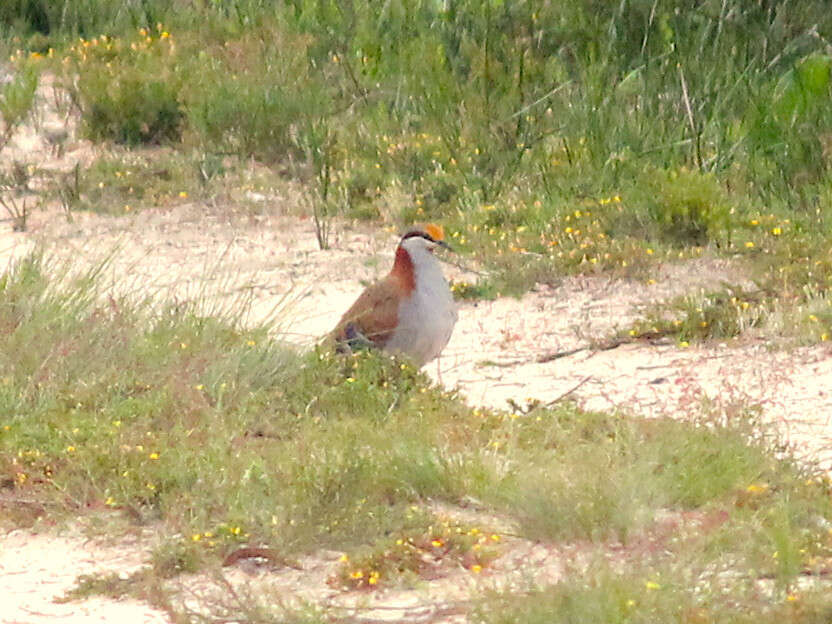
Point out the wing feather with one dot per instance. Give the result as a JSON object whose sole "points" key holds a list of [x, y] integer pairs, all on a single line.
{"points": [[374, 314]]}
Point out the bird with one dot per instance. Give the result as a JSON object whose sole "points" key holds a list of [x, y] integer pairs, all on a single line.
{"points": [[410, 312]]}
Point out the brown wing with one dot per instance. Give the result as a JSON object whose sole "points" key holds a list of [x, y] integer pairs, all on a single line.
{"points": [[374, 314]]}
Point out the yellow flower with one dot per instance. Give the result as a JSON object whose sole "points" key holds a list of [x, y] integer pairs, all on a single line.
{"points": [[436, 543], [196, 537], [343, 558], [749, 244], [183, 194], [648, 251], [154, 456], [476, 568], [70, 449], [357, 574], [776, 231], [651, 585]]}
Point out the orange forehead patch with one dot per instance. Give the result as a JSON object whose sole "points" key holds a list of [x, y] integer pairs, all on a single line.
{"points": [[436, 232]]}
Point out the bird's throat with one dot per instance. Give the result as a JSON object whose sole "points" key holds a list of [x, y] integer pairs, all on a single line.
{"points": [[403, 273]]}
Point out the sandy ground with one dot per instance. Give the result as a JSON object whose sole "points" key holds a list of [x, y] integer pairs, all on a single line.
{"points": [[271, 260]]}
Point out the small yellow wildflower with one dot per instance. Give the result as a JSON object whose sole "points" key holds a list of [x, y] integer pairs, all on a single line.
{"points": [[776, 231], [70, 449], [476, 568], [196, 537], [648, 251], [436, 543], [749, 244], [357, 574], [652, 585], [154, 456], [183, 194], [684, 344]]}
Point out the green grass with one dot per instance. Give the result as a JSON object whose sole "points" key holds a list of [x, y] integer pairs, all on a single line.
{"points": [[650, 595], [221, 436], [554, 139], [591, 138]]}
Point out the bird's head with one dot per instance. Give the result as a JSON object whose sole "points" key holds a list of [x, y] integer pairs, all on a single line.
{"points": [[427, 237]]}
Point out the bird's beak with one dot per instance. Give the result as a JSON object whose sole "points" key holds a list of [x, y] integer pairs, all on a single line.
{"points": [[445, 245]]}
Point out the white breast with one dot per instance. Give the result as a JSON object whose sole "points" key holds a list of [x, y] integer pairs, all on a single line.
{"points": [[428, 316]]}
